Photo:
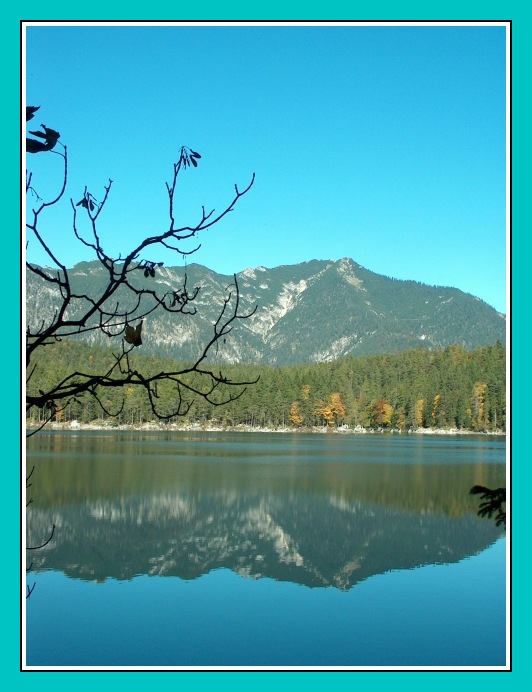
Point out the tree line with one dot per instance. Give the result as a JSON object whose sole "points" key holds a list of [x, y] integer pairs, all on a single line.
{"points": [[448, 388]]}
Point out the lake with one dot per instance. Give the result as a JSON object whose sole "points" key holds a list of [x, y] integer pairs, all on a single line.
{"points": [[228, 550]]}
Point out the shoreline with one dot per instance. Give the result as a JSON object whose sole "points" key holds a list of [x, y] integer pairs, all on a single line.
{"points": [[321, 430]]}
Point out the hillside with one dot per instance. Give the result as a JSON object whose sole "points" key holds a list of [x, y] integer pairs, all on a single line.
{"points": [[315, 311]]}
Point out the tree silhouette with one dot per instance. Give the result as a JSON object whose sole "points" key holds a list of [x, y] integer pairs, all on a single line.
{"points": [[491, 503], [49, 136], [122, 301]]}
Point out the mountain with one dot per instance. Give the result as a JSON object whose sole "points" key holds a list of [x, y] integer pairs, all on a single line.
{"points": [[315, 311]]}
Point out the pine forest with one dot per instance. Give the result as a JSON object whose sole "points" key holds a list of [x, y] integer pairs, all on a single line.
{"points": [[451, 388]]}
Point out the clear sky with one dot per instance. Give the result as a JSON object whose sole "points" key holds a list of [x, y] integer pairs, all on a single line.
{"points": [[383, 144]]}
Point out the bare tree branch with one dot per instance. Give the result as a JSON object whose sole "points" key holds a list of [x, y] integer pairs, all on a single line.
{"points": [[122, 301], [78, 313]]}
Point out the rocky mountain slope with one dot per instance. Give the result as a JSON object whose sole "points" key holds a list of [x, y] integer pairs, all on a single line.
{"points": [[310, 312]]}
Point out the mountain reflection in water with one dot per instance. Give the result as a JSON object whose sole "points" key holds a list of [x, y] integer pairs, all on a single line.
{"points": [[320, 513]]}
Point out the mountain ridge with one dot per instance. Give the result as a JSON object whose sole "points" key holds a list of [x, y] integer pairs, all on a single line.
{"points": [[314, 311]]}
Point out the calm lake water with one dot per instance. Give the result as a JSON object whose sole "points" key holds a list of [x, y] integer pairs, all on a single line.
{"points": [[264, 550]]}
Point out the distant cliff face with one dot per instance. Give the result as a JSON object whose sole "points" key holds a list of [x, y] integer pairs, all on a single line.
{"points": [[309, 312]]}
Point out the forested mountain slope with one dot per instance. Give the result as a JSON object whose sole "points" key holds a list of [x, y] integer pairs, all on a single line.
{"points": [[315, 311]]}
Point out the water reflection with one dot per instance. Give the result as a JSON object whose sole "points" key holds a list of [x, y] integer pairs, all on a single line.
{"points": [[321, 514]]}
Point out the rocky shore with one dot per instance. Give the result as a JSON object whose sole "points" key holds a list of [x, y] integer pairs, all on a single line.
{"points": [[203, 427]]}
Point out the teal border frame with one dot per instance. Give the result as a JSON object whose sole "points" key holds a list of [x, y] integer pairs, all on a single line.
{"points": [[516, 12]]}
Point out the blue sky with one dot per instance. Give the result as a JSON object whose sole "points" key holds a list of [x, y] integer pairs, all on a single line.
{"points": [[383, 144]]}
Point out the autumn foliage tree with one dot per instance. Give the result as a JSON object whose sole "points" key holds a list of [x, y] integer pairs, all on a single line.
{"points": [[478, 401], [435, 408], [419, 408], [295, 417], [382, 413], [331, 411]]}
